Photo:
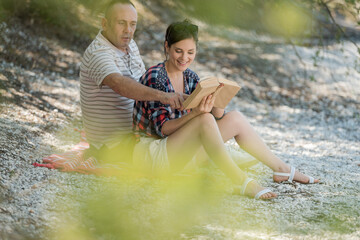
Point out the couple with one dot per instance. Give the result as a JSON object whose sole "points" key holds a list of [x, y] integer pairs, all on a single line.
{"points": [[168, 137]]}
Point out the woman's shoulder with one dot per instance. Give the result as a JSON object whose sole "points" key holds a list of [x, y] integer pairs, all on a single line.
{"points": [[156, 76], [156, 69], [190, 74]]}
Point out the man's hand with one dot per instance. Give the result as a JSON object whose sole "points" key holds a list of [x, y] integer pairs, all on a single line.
{"points": [[174, 99]]}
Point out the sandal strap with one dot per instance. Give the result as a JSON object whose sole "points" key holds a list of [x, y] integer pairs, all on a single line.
{"points": [[311, 180], [281, 174], [244, 185], [290, 175], [262, 192]]}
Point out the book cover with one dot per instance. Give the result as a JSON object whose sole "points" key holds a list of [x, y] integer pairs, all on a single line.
{"points": [[208, 86]]}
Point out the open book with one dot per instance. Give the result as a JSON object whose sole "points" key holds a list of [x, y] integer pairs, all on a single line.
{"points": [[208, 86]]}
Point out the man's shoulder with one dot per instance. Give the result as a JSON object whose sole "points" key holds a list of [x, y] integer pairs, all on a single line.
{"points": [[97, 46], [95, 52]]}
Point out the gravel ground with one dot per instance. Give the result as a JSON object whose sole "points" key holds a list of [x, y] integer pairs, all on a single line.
{"points": [[313, 125]]}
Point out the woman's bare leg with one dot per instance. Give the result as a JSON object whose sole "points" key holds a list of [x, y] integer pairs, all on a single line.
{"points": [[183, 144], [234, 124]]}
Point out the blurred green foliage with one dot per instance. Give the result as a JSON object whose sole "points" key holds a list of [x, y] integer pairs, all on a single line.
{"points": [[278, 17], [66, 15], [54, 11], [142, 209], [289, 18]]}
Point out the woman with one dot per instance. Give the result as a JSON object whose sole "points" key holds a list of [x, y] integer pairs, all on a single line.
{"points": [[169, 138]]}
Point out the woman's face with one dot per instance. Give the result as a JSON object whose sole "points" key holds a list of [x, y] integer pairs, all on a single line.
{"points": [[181, 54]]}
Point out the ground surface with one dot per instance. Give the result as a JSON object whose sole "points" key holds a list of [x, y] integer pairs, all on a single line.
{"points": [[312, 125]]}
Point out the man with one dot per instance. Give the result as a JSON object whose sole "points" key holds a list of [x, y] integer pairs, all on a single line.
{"points": [[109, 74]]}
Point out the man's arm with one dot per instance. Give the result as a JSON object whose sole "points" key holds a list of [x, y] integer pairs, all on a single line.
{"points": [[130, 88]]}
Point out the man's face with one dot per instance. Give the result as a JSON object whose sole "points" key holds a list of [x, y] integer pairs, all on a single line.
{"points": [[120, 26]]}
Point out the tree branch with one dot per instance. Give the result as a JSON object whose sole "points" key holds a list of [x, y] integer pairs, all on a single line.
{"points": [[338, 26], [299, 57]]}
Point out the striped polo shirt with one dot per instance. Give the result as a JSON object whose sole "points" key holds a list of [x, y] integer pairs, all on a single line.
{"points": [[107, 115]]}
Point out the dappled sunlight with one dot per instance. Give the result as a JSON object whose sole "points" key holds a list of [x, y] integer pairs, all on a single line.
{"points": [[302, 100], [86, 15], [30, 87], [271, 57], [309, 146], [234, 35], [145, 13], [332, 70]]}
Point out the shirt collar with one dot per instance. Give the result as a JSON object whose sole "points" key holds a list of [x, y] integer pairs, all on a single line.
{"points": [[105, 41]]}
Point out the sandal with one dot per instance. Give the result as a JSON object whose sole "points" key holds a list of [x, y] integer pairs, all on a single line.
{"points": [[291, 175], [258, 195]]}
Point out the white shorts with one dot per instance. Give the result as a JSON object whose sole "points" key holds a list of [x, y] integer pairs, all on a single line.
{"points": [[150, 156]]}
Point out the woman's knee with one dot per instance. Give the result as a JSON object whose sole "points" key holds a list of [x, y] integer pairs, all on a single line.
{"points": [[206, 119], [236, 119], [205, 122], [235, 114]]}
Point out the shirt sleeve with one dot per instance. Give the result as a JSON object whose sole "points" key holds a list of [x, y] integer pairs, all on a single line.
{"points": [[158, 113], [101, 64]]}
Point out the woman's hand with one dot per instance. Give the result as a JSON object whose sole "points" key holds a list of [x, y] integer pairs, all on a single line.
{"points": [[206, 105]]}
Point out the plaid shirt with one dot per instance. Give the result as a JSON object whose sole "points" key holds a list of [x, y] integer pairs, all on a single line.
{"points": [[149, 116]]}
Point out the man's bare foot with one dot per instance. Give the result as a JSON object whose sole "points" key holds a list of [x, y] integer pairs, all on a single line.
{"points": [[253, 188], [298, 177]]}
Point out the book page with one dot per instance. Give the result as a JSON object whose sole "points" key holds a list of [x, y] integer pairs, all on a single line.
{"points": [[227, 92]]}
